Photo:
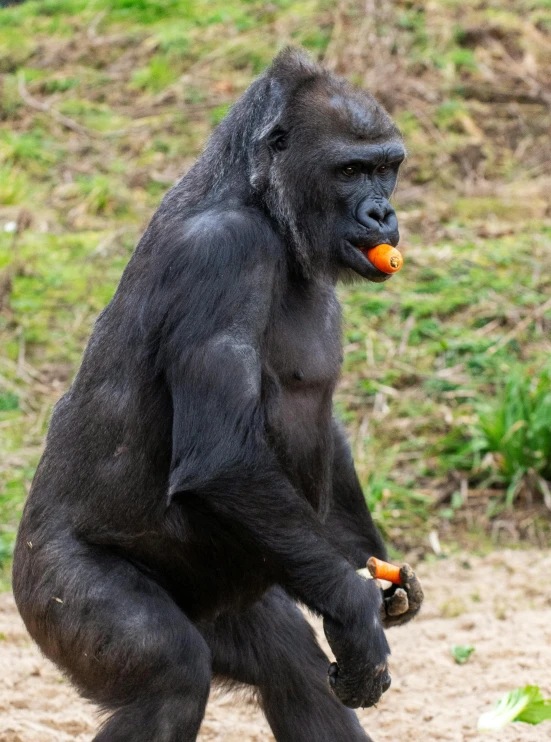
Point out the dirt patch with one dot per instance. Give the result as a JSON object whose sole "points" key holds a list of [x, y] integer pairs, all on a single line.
{"points": [[499, 604]]}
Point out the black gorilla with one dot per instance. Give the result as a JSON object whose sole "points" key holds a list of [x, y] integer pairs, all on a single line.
{"points": [[194, 485]]}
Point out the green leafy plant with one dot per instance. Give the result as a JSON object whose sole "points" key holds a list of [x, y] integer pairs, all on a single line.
{"points": [[515, 430], [461, 653], [523, 704]]}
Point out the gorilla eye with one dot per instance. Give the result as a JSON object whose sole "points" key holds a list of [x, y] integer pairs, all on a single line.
{"points": [[277, 140], [382, 169], [280, 143], [350, 170]]}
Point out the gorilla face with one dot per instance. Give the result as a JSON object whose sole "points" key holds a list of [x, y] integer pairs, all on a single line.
{"points": [[335, 156], [364, 181]]}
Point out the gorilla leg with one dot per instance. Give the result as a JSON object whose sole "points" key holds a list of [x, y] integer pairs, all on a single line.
{"points": [[124, 643], [271, 646]]}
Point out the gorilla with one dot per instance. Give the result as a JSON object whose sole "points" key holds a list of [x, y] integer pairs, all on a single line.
{"points": [[195, 485]]}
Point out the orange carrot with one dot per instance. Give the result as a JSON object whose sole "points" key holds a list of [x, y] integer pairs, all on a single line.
{"points": [[386, 258], [383, 570]]}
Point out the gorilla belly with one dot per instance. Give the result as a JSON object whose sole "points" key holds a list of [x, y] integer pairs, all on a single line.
{"points": [[300, 428]]}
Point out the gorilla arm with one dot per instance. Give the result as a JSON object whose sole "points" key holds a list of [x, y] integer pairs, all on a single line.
{"points": [[353, 530], [349, 519]]}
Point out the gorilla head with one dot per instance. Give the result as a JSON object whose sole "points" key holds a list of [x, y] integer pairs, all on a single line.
{"points": [[321, 156]]}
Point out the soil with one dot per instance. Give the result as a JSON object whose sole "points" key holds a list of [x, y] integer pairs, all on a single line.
{"points": [[500, 604]]}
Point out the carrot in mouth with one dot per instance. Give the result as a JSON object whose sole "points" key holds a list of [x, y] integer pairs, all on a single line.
{"points": [[386, 258]]}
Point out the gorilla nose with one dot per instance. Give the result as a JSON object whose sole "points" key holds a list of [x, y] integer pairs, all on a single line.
{"points": [[380, 219]]}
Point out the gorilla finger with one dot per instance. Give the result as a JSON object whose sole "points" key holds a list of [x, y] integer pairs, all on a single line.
{"points": [[407, 575], [408, 578], [416, 598], [410, 582], [333, 674], [398, 604], [344, 687], [354, 692], [380, 686]]}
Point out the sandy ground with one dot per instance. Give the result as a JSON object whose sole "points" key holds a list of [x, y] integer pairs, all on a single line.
{"points": [[501, 604]]}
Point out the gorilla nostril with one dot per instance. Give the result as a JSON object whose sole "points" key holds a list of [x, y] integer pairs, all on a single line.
{"points": [[386, 684], [377, 213]]}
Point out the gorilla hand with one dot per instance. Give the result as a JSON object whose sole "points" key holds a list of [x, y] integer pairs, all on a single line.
{"points": [[402, 602], [360, 675]]}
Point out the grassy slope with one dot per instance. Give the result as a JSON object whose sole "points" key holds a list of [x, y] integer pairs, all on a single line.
{"points": [[104, 103]]}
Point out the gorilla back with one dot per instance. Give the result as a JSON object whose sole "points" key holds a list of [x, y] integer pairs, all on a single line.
{"points": [[194, 483]]}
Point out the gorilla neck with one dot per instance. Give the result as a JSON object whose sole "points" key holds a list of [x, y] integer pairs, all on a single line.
{"points": [[306, 240]]}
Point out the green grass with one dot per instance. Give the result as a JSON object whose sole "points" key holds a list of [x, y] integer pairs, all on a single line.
{"points": [[445, 371], [515, 429], [158, 74]]}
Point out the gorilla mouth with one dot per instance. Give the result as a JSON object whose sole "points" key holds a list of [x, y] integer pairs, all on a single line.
{"points": [[354, 257]]}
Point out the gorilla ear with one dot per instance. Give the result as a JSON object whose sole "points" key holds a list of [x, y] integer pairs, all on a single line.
{"points": [[277, 139], [264, 150]]}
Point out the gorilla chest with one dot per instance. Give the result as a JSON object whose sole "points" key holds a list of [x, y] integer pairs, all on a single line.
{"points": [[301, 369], [304, 346]]}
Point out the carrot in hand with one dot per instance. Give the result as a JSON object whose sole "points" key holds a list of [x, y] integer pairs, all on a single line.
{"points": [[383, 570], [386, 258]]}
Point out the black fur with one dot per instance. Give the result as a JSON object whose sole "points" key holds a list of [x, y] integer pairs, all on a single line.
{"points": [[194, 484]]}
